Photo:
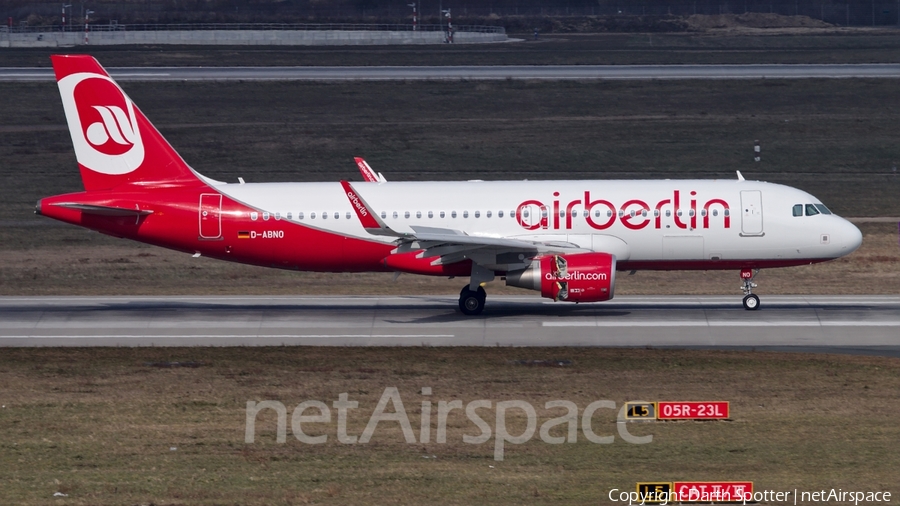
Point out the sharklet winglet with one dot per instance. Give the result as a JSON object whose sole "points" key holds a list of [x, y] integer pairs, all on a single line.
{"points": [[367, 217]]}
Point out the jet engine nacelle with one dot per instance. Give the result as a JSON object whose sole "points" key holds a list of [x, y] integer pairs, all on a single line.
{"points": [[580, 277]]}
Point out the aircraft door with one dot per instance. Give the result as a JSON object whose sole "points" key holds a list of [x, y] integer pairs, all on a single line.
{"points": [[210, 216], [751, 212]]}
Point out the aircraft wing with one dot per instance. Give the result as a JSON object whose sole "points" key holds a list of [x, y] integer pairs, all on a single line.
{"points": [[450, 246]]}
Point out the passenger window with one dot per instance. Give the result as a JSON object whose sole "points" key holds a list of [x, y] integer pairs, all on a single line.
{"points": [[798, 210], [478, 214], [337, 215], [453, 214], [300, 215], [442, 214], [488, 214], [325, 215], [395, 214], [265, 216], [348, 215], [500, 213], [811, 210], [406, 215], [465, 214], [289, 215], [277, 215], [312, 216], [254, 216], [668, 213], [383, 215], [431, 214]]}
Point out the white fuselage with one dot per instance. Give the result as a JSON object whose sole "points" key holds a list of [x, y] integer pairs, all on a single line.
{"points": [[650, 224]]}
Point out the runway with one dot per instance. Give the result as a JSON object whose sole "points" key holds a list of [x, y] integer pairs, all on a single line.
{"points": [[553, 72], [864, 324]]}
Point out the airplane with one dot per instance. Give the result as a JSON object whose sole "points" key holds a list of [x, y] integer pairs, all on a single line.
{"points": [[565, 239]]}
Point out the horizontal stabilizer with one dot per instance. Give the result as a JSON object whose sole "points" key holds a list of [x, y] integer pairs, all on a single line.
{"points": [[104, 210]]}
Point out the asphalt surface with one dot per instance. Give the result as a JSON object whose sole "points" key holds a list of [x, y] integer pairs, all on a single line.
{"points": [[838, 324], [479, 72]]}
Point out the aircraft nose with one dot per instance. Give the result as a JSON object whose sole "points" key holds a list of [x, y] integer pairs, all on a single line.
{"points": [[850, 237]]}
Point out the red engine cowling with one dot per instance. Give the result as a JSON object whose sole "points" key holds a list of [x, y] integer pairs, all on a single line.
{"points": [[581, 277]]}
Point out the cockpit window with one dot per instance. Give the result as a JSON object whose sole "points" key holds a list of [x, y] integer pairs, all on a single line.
{"points": [[822, 209], [811, 210], [798, 210]]}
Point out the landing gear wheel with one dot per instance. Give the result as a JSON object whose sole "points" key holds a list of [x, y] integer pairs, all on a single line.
{"points": [[471, 302], [751, 302]]}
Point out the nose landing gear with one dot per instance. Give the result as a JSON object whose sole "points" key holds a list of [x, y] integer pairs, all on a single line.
{"points": [[751, 301]]}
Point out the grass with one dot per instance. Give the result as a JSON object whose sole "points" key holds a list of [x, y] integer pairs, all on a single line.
{"points": [[824, 136], [69, 261], [100, 424], [833, 138]]}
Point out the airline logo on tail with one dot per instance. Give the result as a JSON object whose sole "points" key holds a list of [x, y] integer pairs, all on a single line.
{"points": [[103, 123]]}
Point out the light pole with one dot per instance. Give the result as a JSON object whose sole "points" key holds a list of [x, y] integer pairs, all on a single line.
{"points": [[64, 7], [449, 25], [87, 15], [415, 20]]}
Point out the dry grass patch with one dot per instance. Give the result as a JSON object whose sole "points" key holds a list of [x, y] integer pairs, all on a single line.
{"points": [[100, 424], [77, 262]]}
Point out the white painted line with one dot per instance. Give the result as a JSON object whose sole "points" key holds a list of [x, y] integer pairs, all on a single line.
{"points": [[223, 336], [139, 74], [721, 324]]}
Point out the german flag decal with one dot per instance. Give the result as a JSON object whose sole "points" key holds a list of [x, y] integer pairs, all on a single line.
{"points": [[243, 234]]}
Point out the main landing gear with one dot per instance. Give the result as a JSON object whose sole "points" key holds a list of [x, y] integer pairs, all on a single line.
{"points": [[471, 302], [472, 296], [751, 301]]}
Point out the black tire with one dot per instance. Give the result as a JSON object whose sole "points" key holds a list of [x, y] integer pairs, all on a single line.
{"points": [[471, 303], [751, 302]]}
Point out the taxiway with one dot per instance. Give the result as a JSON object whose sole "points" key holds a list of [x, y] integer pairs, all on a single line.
{"points": [[486, 72]]}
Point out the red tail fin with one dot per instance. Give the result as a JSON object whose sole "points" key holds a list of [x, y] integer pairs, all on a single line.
{"points": [[114, 142]]}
